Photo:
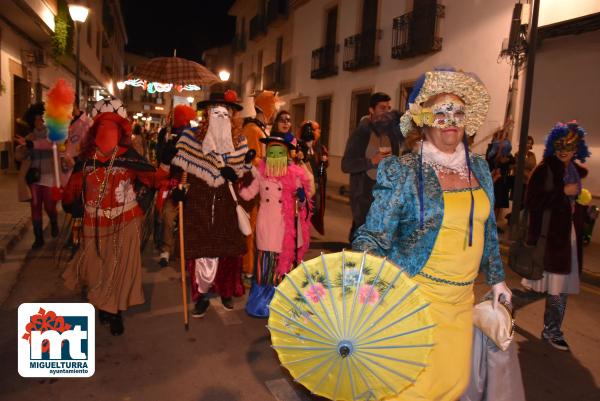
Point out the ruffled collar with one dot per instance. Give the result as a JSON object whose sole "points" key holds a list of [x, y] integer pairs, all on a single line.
{"points": [[445, 163]]}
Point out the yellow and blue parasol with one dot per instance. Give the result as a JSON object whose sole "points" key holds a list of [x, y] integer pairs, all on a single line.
{"points": [[351, 326]]}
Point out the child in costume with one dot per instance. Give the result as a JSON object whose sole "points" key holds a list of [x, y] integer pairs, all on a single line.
{"points": [[283, 220], [211, 157], [255, 129], [102, 191]]}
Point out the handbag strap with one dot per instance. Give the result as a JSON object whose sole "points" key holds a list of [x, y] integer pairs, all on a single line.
{"points": [[232, 192]]}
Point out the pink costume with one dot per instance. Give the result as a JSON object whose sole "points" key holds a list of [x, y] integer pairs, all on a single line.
{"points": [[275, 230]]}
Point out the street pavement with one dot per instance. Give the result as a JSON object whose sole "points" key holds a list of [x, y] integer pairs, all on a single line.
{"points": [[226, 356]]}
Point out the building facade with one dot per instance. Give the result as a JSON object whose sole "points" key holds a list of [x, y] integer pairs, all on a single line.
{"points": [[262, 48], [340, 52], [32, 32]]}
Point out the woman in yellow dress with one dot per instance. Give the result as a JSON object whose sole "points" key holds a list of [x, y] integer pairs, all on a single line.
{"points": [[433, 216]]}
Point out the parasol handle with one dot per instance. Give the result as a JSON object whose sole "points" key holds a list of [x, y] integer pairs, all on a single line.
{"points": [[182, 257], [56, 169]]}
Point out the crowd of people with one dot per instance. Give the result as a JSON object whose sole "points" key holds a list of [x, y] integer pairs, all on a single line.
{"points": [[251, 189], [222, 169]]}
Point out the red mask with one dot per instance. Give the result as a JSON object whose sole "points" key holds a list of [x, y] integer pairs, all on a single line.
{"points": [[107, 136]]}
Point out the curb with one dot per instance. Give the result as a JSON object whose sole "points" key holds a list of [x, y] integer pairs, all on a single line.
{"points": [[338, 198], [586, 276], [15, 235], [590, 277]]}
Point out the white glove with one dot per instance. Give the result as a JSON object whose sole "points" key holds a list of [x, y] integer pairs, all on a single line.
{"points": [[501, 289]]}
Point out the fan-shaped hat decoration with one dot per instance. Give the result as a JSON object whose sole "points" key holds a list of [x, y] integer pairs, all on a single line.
{"points": [[113, 110]]}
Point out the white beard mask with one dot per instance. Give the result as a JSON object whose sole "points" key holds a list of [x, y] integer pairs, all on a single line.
{"points": [[218, 136]]}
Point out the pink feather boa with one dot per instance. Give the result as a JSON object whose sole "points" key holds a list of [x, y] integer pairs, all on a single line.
{"points": [[288, 183]]}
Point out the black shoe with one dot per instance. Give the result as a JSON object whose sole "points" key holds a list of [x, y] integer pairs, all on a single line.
{"points": [[38, 231], [227, 303], [54, 228], [116, 324], [558, 343], [104, 317], [38, 243], [201, 306], [163, 262]]}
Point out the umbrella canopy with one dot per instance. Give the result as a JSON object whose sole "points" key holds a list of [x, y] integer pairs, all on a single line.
{"points": [[351, 326], [174, 70]]}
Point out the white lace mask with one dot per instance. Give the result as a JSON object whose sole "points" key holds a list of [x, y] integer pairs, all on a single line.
{"points": [[218, 136]]}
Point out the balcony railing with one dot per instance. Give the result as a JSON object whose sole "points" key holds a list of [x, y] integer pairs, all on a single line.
{"points": [[324, 61], [272, 76], [416, 33], [277, 76], [257, 27], [360, 50], [277, 10], [238, 44]]}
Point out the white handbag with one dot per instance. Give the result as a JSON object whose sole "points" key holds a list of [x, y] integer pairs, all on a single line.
{"points": [[497, 324], [242, 215]]}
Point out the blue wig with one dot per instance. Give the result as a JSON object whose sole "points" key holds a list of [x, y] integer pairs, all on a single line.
{"points": [[561, 130]]}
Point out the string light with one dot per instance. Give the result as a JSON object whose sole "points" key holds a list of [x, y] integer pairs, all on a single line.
{"points": [[153, 87]]}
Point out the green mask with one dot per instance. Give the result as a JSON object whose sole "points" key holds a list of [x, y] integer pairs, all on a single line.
{"points": [[277, 160]]}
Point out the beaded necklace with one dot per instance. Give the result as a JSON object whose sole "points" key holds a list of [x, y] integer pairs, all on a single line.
{"points": [[107, 173]]}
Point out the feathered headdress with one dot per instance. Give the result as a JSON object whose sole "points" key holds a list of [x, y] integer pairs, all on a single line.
{"points": [[59, 110], [567, 134]]}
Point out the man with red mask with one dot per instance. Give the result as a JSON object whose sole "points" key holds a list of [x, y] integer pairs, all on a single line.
{"points": [[102, 191], [213, 156]]}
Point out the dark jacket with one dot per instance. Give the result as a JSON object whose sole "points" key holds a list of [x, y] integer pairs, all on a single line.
{"points": [[557, 258], [357, 164]]}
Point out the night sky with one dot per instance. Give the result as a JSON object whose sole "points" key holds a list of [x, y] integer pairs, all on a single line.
{"points": [[155, 28]]}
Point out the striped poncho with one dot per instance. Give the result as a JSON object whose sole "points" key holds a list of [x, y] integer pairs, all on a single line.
{"points": [[206, 166]]}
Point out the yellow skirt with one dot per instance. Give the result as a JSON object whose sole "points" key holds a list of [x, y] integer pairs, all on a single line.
{"points": [[449, 365], [447, 373]]}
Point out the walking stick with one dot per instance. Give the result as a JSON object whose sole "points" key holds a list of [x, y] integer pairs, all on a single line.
{"points": [[182, 257]]}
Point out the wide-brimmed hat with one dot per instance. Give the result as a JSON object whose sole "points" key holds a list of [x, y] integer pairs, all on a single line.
{"points": [[282, 139], [227, 98], [462, 84]]}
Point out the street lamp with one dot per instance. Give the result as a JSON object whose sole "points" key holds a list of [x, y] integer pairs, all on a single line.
{"points": [[190, 99], [79, 14], [224, 75], [121, 85]]}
